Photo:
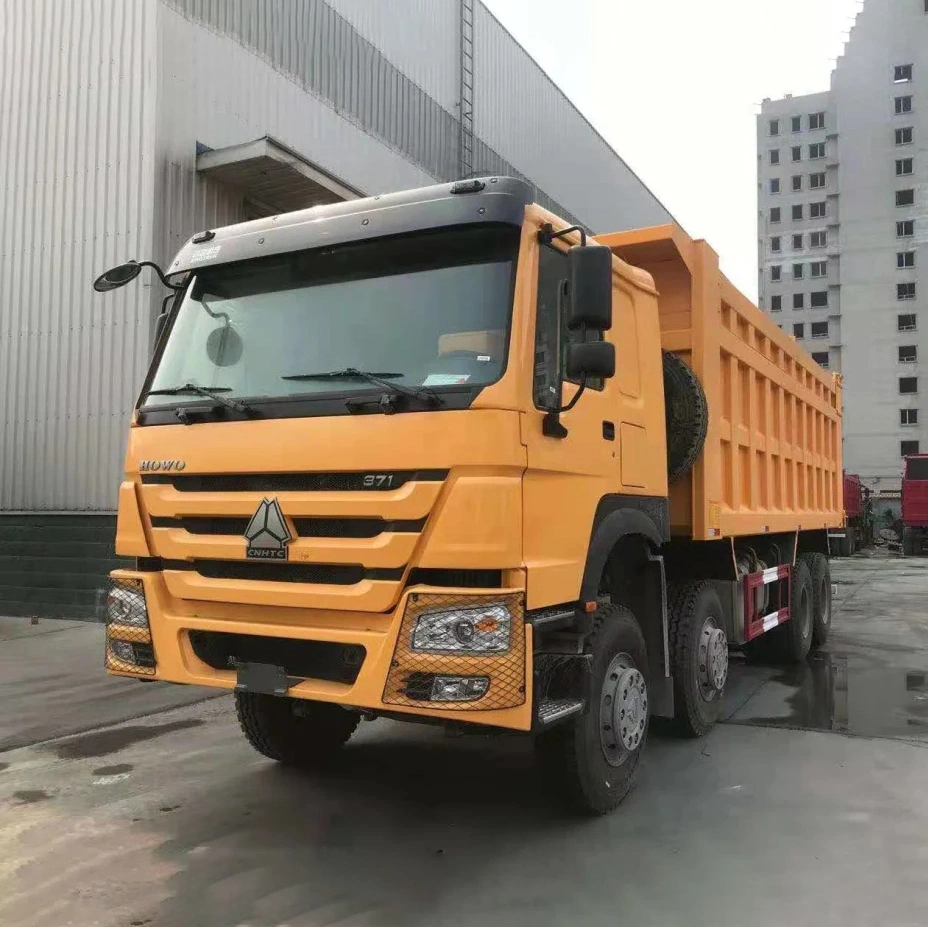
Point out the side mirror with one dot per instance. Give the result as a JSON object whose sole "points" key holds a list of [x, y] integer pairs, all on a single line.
{"points": [[117, 276], [591, 359], [160, 322], [590, 270]]}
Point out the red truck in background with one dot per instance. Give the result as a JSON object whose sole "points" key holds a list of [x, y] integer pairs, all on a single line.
{"points": [[858, 520], [915, 504]]}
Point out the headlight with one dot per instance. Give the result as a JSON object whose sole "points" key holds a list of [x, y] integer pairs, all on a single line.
{"points": [[480, 629], [125, 605]]}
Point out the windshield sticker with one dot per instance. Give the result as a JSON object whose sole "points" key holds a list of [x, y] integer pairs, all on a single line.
{"points": [[445, 379], [484, 357]]}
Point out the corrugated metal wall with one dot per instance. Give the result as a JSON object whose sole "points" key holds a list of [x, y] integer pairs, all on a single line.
{"points": [[76, 183], [521, 114]]}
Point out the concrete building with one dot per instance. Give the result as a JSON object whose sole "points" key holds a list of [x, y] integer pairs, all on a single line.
{"points": [[129, 126], [842, 232]]}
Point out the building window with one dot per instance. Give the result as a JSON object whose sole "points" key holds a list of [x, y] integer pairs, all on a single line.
{"points": [[776, 303], [818, 239], [819, 329], [797, 120], [776, 273], [902, 73], [908, 385], [905, 136], [816, 151], [816, 121], [797, 182], [818, 269], [817, 181], [908, 417], [903, 105], [905, 259], [817, 210], [775, 243], [796, 152], [775, 185], [818, 299], [799, 301], [797, 242], [774, 215], [797, 271], [799, 329], [774, 127], [905, 229], [906, 322], [905, 166], [821, 358], [908, 354], [908, 448], [775, 156], [797, 212], [905, 291], [905, 197]]}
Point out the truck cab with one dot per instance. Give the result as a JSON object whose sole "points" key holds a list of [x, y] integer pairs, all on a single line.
{"points": [[914, 504]]}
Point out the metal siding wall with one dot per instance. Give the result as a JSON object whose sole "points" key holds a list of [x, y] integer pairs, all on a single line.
{"points": [[419, 37], [521, 114], [76, 187]]}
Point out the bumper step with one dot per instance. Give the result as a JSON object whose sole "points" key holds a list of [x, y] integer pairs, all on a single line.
{"points": [[553, 710]]}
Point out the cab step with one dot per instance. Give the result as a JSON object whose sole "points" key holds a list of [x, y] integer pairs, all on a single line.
{"points": [[554, 710]]}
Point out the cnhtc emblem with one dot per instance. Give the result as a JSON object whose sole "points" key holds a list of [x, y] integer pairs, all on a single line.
{"points": [[267, 533]]}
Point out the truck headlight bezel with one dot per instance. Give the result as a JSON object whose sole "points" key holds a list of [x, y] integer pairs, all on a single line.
{"points": [[126, 605], [463, 630]]}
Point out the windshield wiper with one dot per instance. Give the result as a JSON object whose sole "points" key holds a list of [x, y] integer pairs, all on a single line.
{"points": [[191, 388], [378, 378]]}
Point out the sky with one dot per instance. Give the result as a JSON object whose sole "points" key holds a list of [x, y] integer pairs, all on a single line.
{"points": [[675, 87]]}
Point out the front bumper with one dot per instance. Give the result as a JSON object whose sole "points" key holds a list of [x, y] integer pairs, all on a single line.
{"points": [[382, 662]]}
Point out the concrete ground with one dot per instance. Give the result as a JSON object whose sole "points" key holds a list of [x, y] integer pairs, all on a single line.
{"points": [[809, 807]]}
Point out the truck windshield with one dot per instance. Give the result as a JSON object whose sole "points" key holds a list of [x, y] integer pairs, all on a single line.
{"points": [[916, 468], [425, 313]]}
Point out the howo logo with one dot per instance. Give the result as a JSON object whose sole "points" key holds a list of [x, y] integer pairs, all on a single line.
{"points": [[267, 533], [156, 466]]}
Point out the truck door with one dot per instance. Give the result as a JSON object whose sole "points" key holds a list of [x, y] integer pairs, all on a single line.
{"points": [[566, 476]]}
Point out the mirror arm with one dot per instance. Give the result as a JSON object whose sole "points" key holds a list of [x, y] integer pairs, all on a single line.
{"points": [[547, 234], [164, 280], [551, 424]]}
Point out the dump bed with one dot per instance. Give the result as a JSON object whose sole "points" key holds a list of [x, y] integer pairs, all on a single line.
{"points": [[772, 459], [852, 495], [915, 491]]}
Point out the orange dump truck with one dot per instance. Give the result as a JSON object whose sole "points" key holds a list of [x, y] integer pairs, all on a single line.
{"points": [[436, 456]]}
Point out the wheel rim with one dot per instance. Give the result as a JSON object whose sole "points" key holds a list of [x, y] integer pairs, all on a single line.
{"points": [[712, 661], [623, 710], [805, 613], [825, 599]]}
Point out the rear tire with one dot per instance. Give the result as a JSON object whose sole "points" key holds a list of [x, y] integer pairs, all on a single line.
{"points": [[908, 542], [295, 732], [820, 571], [795, 637], [591, 762], [698, 654]]}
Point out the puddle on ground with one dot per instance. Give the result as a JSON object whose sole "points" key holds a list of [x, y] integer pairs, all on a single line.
{"points": [[840, 694], [103, 743], [4, 766], [118, 769], [31, 796]]}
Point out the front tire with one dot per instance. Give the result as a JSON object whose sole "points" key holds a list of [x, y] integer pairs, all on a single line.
{"points": [[295, 732], [592, 761], [699, 656]]}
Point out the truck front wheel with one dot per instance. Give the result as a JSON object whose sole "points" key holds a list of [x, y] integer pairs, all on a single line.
{"points": [[592, 761], [699, 656], [295, 732]]}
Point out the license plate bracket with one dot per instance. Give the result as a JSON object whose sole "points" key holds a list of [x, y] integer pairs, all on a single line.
{"points": [[263, 679]]}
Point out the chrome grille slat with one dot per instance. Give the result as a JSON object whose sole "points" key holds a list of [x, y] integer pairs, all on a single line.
{"points": [[293, 482]]}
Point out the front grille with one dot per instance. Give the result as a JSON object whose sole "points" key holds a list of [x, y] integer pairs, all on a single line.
{"points": [[294, 482], [464, 579], [307, 659], [305, 527], [313, 573]]}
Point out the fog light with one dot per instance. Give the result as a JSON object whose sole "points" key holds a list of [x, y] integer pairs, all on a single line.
{"points": [[123, 650], [459, 688]]}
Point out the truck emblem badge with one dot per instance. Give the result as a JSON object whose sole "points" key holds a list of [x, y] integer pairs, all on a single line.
{"points": [[267, 533]]}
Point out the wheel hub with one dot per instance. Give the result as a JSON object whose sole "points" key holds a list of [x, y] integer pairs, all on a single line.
{"points": [[623, 714], [713, 658]]}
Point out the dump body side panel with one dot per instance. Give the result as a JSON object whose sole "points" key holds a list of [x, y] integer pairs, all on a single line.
{"points": [[851, 495], [915, 492], [772, 458]]}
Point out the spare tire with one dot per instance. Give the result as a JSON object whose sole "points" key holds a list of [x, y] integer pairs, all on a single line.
{"points": [[687, 416]]}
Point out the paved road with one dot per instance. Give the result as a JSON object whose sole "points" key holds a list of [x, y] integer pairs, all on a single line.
{"points": [[172, 820]]}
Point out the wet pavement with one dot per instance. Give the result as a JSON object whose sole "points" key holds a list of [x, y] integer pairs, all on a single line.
{"points": [[778, 817]]}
